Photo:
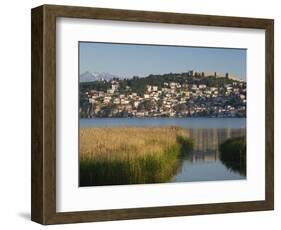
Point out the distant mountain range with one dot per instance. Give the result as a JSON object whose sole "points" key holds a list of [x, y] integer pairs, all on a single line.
{"points": [[89, 77]]}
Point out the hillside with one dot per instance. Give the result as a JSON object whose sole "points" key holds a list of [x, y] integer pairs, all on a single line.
{"points": [[167, 95], [138, 84]]}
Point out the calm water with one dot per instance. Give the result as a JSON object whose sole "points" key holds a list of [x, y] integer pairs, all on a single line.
{"points": [[203, 163]]}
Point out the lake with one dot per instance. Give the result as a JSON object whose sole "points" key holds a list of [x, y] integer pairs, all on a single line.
{"points": [[203, 163]]}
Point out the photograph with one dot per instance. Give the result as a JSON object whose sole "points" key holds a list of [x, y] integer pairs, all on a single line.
{"points": [[141, 114], [161, 114]]}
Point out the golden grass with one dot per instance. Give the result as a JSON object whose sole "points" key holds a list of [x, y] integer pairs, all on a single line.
{"points": [[130, 155], [117, 143]]}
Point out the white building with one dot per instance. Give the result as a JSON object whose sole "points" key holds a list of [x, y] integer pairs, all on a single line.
{"points": [[202, 86], [155, 88]]}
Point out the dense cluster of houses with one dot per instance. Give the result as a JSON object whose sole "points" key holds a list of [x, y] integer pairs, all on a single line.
{"points": [[171, 100]]}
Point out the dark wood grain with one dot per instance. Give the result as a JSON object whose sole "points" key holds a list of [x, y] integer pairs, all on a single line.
{"points": [[44, 114], [269, 113], [37, 115]]}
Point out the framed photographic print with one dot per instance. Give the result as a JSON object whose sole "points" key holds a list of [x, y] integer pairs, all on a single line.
{"points": [[141, 114]]}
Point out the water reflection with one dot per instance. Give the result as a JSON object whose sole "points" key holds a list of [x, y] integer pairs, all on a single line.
{"points": [[204, 163]]}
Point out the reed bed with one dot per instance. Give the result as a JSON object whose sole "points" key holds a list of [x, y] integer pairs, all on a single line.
{"points": [[233, 154], [131, 155]]}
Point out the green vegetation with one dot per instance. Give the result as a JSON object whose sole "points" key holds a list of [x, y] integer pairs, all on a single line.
{"points": [[186, 144], [138, 84], [233, 154], [115, 156]]}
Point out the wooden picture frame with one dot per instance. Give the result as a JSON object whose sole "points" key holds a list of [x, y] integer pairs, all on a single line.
{"points": [[43, 208]]}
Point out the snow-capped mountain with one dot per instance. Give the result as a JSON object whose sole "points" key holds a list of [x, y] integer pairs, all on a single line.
{"points": [[88, 77]]}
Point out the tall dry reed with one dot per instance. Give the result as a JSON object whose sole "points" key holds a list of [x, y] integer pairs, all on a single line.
{"points": [[130, 155]]}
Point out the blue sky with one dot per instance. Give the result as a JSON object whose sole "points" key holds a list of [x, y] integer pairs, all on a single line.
{"points": [[141, 60]]}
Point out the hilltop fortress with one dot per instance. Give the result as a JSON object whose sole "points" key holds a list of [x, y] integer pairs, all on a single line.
{"points": [[193, 73]]}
